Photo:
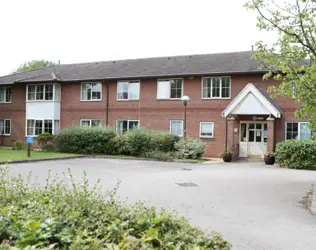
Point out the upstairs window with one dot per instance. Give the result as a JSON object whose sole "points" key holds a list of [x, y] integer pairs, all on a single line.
{"points": [[170, 89], [297, 131], [5, 127], [40, 92], [5, 94], [90, 123], [128, 90], [216, 87], [91, 91], [123, 126]]}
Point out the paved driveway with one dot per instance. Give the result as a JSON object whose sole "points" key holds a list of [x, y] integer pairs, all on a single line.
{"points": [[254, 206]]}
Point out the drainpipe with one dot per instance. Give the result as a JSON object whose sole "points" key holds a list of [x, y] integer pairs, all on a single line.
{"points": [[226, 133], [107, 104]]}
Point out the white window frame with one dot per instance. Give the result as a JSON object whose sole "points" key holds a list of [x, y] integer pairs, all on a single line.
{"points": [[90, 122], [204, 136], [91, 100], [44, 91], [218, 98], [5, 94], [54, 132], [128, 121], [298, 132], [128, 82], [169, 79], [4, 121], [176, 121]]}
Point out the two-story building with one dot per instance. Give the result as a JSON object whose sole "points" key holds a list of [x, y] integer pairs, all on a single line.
{"points": [[229, 105]]}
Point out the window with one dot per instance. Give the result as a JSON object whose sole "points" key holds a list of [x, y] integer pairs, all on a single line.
{"points": [[90, 123], [128, 90], [5, 127], [40, 92], [176, 127], [207, 129], [91, 91], [5, 94], [297, 131], [216, 87], [170, 89], [123, 126], [37, 127]]}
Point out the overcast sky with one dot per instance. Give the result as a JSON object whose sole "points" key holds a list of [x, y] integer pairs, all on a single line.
{"points": [[97, 30]]}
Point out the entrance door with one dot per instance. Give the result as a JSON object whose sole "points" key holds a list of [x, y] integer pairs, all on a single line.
{"points": [[253, 139]]}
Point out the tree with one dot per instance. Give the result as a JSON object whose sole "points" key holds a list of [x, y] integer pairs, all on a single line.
{"points": [[291, 59], [35, 64]]}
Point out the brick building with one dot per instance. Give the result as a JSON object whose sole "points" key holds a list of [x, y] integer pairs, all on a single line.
{"points": [[229, 104]]}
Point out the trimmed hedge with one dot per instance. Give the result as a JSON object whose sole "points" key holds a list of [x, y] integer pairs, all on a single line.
{"points": [[84, 140], [296, 154], [72, 214], [190, 148]]}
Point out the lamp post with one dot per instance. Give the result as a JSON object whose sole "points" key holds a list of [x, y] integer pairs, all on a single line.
{"points": [[185, 100]]}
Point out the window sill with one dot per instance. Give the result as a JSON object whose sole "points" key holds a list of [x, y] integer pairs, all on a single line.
{"points": [[169, 99], [206, 137], [5, 102], [30, 101], [127, 100], [6, 135], [98, 100], [217, 98]]}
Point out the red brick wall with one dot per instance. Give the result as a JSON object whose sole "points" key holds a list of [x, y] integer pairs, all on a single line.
{"points": [[152, 113], [16, 112]]}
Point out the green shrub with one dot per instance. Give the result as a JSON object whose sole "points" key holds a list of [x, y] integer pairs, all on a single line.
{"points": [[138, 142], [190, 148], [159, 155], [162, 141], [46, 142], [84, 140], [296, 154], [117, 145], [65, 214], [16, 145]]}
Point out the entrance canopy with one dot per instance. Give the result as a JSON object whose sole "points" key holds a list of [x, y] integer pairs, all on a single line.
{"points": [[251, 101]]}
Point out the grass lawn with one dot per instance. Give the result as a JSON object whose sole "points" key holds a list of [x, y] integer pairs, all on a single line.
{"points": [[14, 155]]}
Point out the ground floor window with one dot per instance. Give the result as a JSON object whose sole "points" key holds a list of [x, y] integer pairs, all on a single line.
{"points": [[123, 126], [5, 127], [297, 131], [90, 123], [36, 127], [176, 127], [206, 129]]}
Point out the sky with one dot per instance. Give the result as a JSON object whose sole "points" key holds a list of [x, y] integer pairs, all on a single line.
{"points": [[75, 31]]}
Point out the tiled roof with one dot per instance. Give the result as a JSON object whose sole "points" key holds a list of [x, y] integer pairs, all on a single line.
{"points": [[206, 64]]}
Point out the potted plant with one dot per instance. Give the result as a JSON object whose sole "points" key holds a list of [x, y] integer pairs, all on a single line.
{"points": [[227, 155], [269, 158]]}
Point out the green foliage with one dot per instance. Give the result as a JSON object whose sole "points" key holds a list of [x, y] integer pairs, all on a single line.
{"points": [[65, 214], [291, 59], [190, 148], [296, 154], [35, 64], [160, 155], [84, 140], [138, 142], [46, 142], [16, 145]]}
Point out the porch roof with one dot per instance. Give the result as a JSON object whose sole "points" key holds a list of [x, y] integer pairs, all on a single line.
{"points": [[252, 101]]}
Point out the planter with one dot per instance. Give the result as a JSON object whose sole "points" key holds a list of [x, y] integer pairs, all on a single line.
{"points": [[227, 157], [269, 160]]}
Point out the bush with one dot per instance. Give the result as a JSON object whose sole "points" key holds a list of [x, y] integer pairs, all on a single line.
{"points": [[296, 154], [16, 145], [46, 142], [84, 140], [140, 141], [67, 215], [159, 155], [190, 148]]}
